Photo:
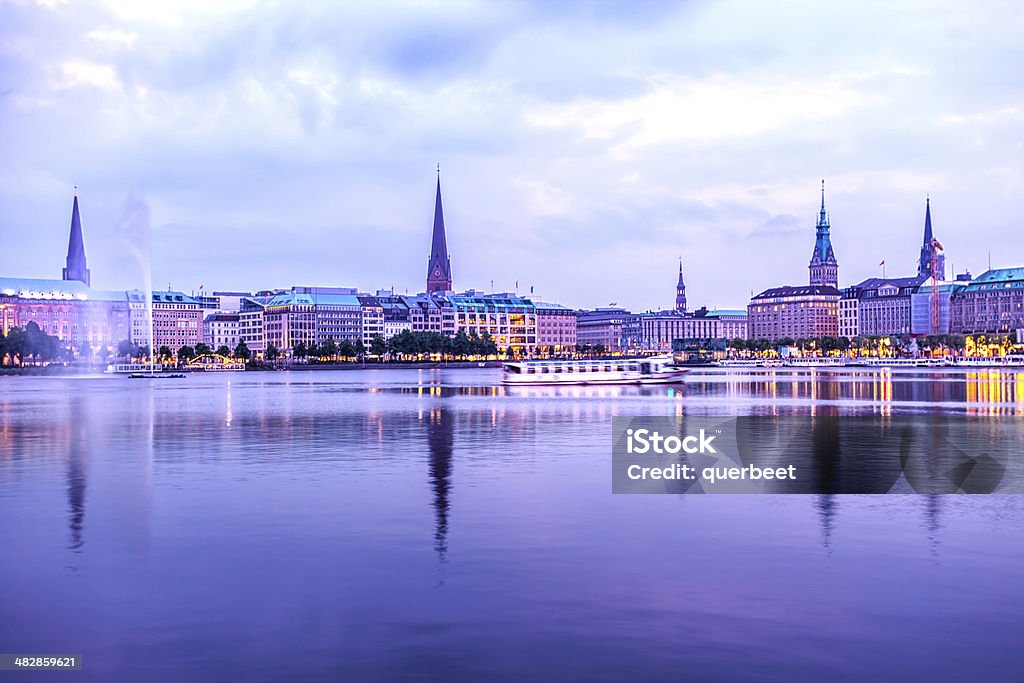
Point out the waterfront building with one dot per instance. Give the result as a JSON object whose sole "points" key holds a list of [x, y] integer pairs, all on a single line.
{"points": [[371, 313], [794, 312], [924, 262], [921, 304], [823, 267], [878, 306], [993, 303], [396, 321], [250, 323], [439, 263], [660, 329], [75, 267], [556, 328], [604, 327], [177, 320], [510, 320], [66, 309], [312, 315], [222, 329]]}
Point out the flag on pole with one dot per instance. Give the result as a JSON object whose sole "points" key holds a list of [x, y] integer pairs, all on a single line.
{"points": [[937, 244], [882, 263]]}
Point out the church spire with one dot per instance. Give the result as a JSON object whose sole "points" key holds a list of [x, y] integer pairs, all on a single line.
{"points": [[680, 290], [75, 268], [924, 262], [439, 265]]}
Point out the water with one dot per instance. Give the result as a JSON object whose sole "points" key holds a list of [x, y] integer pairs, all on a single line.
{"points": [[429, 525]]}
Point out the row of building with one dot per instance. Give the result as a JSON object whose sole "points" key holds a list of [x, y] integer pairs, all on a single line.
{"points": [[284, 318], [922, 304]]}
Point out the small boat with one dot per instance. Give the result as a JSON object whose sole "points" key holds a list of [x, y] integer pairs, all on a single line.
{"points": [[134, 368], [656, 370], [146, 375]]}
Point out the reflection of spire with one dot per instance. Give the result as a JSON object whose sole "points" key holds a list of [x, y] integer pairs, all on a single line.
{"points": [[827, 507], [76, 476], [933, 521], [440, 442]]}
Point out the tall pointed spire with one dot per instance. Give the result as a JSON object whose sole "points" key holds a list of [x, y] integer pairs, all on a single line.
{"points": [[824, 269], [681, 290], [75, 268], [439, 264], [924, 262]]}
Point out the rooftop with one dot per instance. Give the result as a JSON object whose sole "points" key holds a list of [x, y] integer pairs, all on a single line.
{"points": [[799, 290]]}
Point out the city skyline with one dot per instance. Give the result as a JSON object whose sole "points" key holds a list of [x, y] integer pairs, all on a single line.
{"points": [[575, 147]]}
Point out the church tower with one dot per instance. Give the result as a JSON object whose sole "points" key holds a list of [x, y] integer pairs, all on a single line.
{"points": [[680, 290], [824, 270], [439, 265], [75, 268], [924, 263]]}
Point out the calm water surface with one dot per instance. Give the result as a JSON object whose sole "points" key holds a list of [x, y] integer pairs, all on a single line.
{"points": [[430, 525]]}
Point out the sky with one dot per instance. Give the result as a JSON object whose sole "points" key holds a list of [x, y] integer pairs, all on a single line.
{"points": [[584, 147]]}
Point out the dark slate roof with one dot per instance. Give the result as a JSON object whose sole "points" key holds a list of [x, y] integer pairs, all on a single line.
{"points": [[876, 282], [800, 290]]}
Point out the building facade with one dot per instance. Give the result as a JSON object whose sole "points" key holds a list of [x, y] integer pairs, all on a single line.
{"points": [[993, 303], [604, 327], [250, 324], [511, 321], [222, 329], [556, 328], [794, 312], [177, 321], [878, 307]]}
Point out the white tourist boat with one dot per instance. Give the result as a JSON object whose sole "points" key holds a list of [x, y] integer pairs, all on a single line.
{"points": [[741, 363], [656, 370], [134, 368], [817, 362]]}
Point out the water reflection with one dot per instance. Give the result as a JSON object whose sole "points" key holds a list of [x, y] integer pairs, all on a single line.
{"points": [[76, 477], [441, 445]]}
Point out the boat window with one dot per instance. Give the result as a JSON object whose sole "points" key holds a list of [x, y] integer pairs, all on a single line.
{"points": [[568, 368], [558, 369], [607, 368], [545, 370], [513, 369]]}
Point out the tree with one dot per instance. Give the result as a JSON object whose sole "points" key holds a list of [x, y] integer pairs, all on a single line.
{"points": [[599, 349], [104, 353], [271, 353], [125, 348], [378, 347], [738, 344], [223, 350], [360, 348], [165, 353], [203, 349], [329, 348], [186, 353], [300, 350], [346, 349], [242, 351], [85, 350]]}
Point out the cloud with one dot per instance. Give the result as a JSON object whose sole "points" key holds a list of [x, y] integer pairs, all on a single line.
{"points": [[583, 146]]}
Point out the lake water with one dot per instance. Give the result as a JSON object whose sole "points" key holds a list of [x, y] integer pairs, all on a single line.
{"points": [[430, 525]]}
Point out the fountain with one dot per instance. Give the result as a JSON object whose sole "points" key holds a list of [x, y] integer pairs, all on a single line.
{"points": [[136, 233]]}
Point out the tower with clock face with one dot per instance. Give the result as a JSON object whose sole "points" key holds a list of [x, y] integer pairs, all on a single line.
{"points": [[439, 264], [823, 268]]}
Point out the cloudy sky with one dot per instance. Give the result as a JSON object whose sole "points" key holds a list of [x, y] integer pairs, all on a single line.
{"points": [[583, 146]]}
